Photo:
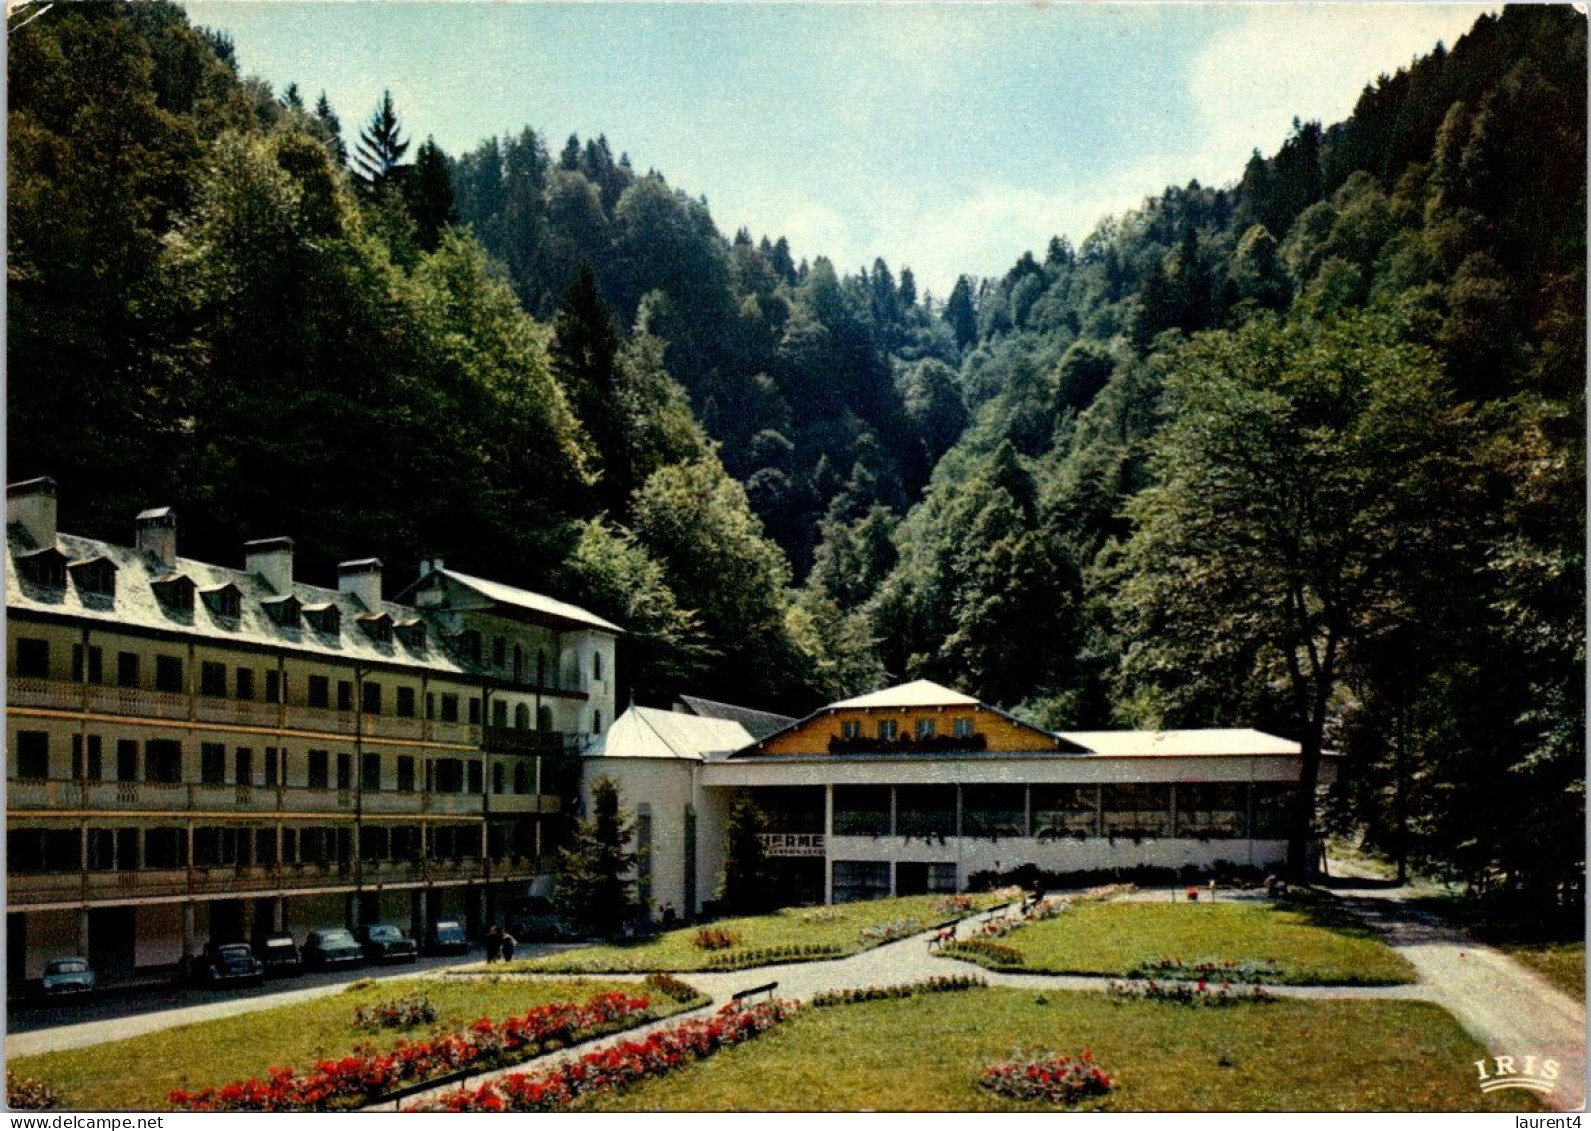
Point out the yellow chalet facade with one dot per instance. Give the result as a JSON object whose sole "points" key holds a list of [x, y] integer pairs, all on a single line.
{"points": [[917, 788], [203, 752]]}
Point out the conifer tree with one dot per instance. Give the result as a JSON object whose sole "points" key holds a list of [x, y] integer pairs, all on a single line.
{"points": [[378, 160], [595, 890], [744, 889]]}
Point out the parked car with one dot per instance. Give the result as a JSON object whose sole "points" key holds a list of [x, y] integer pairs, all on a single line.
{"points": [[385, 942], [332, 946], [447, 937], [70, 975], [280, 954], [231, 964]]}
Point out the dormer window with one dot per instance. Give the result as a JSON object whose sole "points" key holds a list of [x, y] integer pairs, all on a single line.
{"points": [[223, 601], [411, 632], [46, 567], [377, 626], [283, 610], [175, 592], [326, 617], [96, 576]]}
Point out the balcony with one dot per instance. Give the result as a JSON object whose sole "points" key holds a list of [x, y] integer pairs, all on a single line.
{"points": [[393, 726], [456, 733], [244, 712], [505, 804], [511, 740], [51, 694]]}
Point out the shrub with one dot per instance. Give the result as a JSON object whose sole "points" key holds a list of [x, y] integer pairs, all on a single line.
{"points": [[714, 938], [24, 1093], [938, 985], [762, 956], [401, 1013], [671, 987], [1045, 1076], [952, 905], [984, 952], [889, 932], [1208, 970]]}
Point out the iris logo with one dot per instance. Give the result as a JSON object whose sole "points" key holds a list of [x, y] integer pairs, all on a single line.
{"points": [[1527, 1073]]}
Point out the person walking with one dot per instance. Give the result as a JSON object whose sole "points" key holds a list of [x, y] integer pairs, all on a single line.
{"points": [[507, 941], [494, 943]]}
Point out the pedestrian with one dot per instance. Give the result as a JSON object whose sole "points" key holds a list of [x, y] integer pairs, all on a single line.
{"points": [[507, 943], [494, 942], [669, 918]]}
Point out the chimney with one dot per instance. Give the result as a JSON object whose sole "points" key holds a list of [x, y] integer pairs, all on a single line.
{"points": [[33, 505], [361, 579], [157, 535], [427, 565], [272, 559]]}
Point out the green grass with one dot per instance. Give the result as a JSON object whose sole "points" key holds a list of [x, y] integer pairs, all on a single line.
{"points": [[1561, 963], [925, 1054], [137, 1073], [1311, 942], [839, 926]]}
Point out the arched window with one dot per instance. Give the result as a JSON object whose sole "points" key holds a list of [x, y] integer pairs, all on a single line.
{"points": [[596, 722], [522, 778], [521, 717], [499, 776], [544, 718], [541, 667], [596, 665], [519, 664]]}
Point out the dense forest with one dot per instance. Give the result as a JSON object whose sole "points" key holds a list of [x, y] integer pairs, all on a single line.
{"points": [[1305, 452]]}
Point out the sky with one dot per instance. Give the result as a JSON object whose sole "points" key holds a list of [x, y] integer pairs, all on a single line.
{"points": [[948, 137]]}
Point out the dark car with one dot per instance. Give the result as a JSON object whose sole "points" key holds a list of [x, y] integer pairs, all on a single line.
{"points": [[387, 943], [280, 954], [70, 975], [332, 946], [231, 964], [447, 937]]}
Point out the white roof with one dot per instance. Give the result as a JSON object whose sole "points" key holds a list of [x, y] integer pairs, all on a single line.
{"points": [[1173, 743], [918, 693], [646, 732], [524, 599]]}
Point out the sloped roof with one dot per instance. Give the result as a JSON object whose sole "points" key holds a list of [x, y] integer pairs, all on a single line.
{"points": [[533, 602], [759, 724], [646, 732], [136, 603], [918, 693], [1180, 743]]}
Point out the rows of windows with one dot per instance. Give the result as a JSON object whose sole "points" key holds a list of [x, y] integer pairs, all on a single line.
{"points": [[35, 850], [220, 680], [1200, 810], [888, 730], [161, 760]]}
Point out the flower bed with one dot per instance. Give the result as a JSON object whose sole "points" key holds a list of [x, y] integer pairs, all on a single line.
{"points": [[671, 987], [880, 933], [1045, 1076], [364, 1075], [1209, 970], [401, 1013], [1187, 992], [952, 905], [24, 1093], [624, 1063], [985, 953], [937, 985], [762, 956]]}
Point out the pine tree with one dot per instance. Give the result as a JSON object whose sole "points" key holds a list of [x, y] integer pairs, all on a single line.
{"points": [[428, 192], [744, 889], [595, 890], [332, 128], [960, 314], [378, 161], [584, 356]]}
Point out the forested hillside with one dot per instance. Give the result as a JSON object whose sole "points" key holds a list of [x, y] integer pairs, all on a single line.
{"points": [[1305, 452]]}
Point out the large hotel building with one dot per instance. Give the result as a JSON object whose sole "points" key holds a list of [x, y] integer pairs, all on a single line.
{"points": [[195, 751]]}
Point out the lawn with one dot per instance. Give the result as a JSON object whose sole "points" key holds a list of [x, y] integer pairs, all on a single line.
{"points": [[1561, 963], [839, 928], [138, 1073], [925, 1054], [1309, 942]]}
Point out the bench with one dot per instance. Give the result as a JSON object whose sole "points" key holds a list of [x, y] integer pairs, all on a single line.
{"points": [[766, 988]]}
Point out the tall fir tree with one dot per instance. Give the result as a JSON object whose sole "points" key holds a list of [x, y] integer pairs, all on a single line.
{"points": [[378, 161], [595, 889]]}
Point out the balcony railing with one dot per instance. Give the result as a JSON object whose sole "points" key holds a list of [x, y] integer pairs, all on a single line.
{"points": [[59, 794], [506, 803], [512, 740], [247, 712]]}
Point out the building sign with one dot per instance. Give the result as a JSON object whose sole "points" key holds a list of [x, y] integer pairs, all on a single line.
{"points": [[792, 844]]}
